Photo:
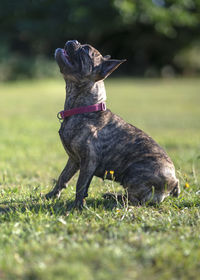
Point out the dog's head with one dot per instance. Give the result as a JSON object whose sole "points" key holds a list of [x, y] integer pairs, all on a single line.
{"points": [[84, 63]]}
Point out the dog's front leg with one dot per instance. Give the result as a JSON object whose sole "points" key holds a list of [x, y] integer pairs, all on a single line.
{"points": [[68, 172], [85, 177]]}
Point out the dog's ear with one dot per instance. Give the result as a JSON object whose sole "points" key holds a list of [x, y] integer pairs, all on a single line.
{"points": [[107, 66]]}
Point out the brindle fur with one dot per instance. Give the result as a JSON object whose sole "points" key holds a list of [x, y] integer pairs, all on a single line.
{"points": [[100, 141]]}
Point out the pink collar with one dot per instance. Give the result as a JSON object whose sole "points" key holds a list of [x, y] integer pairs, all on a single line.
{"points": [[80, 110]]}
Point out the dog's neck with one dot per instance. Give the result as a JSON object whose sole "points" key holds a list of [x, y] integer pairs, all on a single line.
{"points": [[78, 95]]}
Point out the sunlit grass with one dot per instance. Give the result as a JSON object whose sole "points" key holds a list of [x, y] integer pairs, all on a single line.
{"points": [[42, 239]]}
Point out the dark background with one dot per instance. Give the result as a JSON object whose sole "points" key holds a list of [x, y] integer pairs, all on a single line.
{"points": [[157, 37]]}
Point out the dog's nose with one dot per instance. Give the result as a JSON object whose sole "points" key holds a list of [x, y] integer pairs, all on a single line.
{"points": [[72, 44], [76, 42]]}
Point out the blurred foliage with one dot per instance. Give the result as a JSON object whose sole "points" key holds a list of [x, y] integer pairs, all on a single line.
{"points": [[189, 59], [149, 33]]}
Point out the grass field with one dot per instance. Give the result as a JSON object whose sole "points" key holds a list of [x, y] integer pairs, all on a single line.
{"points": [[42, 239]]}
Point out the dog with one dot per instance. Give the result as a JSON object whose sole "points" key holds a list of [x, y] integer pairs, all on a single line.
{"points": [[99, 141]]}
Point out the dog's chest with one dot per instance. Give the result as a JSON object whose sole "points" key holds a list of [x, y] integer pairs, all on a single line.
{"points": [[75, 136]]}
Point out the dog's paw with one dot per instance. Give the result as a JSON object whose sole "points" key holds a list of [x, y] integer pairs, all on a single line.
{"points": [[79, 204], [52, 195]]}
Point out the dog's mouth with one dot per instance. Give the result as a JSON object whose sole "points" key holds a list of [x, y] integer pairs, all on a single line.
{"points": [[68, 54], [63, 59], [67, 58]]}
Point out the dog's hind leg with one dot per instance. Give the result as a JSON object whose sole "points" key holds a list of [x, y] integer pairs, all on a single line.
{"points": [[68, 172]]}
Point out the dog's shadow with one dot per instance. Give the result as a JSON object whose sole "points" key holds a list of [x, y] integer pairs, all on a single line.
{"points": [[56, 207]]}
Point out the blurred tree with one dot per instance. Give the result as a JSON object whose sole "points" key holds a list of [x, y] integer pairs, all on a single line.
{"points": [[149, 33]]}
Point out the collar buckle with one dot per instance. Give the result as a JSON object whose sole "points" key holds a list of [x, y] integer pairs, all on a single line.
{"points": [[103, 106], [59, 116]]}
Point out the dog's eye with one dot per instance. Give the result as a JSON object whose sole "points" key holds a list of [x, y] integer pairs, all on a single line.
{"points": [[89, 51]]}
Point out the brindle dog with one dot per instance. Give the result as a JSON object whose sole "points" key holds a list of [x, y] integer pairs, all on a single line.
{"points": [[100, 141]]}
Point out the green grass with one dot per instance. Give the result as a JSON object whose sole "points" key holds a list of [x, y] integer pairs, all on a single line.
{"points": [[42, 239]]}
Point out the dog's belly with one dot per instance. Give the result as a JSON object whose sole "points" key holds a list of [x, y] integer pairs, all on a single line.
{"points": [[142, 168]]}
